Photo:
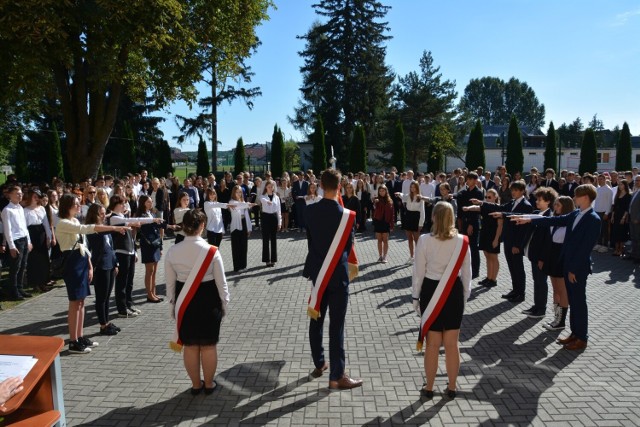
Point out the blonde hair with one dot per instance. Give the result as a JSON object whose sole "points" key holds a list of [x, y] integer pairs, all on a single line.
{"points": [[443, 227]]}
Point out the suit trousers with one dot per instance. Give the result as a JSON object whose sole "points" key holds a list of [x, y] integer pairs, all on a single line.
{"points": [[634, 233], [103, 281], [336, 299], [516, 269], [578, 311], [300, 205], [474, 240], [604, 230], [269, 237], [17, 266], [239, 247], [540, 287], [214, 238], [124, 281]]}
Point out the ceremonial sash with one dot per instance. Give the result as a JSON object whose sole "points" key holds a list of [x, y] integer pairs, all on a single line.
{"points": [[439, 298], [330, 262], [188, 291]]}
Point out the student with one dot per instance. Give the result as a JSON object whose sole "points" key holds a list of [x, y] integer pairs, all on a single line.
{"points": [[240, 228], [18, 242], [215, 223], [583, 229], [383, 221], [271, 219], [469, 222], [178, 213], [414, 216]]}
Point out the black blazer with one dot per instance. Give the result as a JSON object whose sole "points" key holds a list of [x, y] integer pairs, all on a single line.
{"points": [[553, 184], [538, 242], [103, 256], [569, 189]]}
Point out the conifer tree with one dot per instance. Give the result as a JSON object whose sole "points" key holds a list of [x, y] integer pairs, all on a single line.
{"points": [[319, 154], [551, 149], [623, 149], [130, 162], [588, 153], [240, 161], [56, 166], [277, 152], [435, 159], [475, 148], [202, 162], [358, 158], [515, 157], [22, 169], [165, 163], [399, 154]]}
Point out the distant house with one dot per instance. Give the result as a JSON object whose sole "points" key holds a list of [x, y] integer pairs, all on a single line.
{"points": [[177, 156]]}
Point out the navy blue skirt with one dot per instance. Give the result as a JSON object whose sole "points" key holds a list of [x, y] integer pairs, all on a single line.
{"points": [[76, 275]]}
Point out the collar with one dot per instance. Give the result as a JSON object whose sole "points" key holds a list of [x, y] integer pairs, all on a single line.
{"points": [[518, 200]]}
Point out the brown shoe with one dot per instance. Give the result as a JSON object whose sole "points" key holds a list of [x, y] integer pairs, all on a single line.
{"points": [[576, 345], [317, 372], [567, 340], [345, 383]]}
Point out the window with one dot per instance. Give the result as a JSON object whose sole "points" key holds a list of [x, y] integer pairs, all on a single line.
{"points": [[603, 157], [637, 158], [532, 154]]}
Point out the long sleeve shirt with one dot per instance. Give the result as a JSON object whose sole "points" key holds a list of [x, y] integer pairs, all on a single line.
{"points": [[178, 215], [240, 210], [37, 216], [214, 216], [68, 232], [416, 205], [14, 224], [271, 206]]}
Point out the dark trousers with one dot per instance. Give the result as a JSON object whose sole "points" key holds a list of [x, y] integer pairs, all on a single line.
{"points": [[124, 281], [269, 237], [336, 298], [214, 238], [17, 267], [578, 312], [604, 230], [103, 281], [516, 269], [473, 247], [256, 215], [239, 247], [300, 205], [540, 287], [179, 238]]}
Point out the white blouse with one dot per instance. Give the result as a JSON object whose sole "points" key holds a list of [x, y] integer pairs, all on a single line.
{"points": [[179, 262], [214, 216], [432, 259], [240, 210], [271, 206], [309, 200], [178, 215], [416, 205], [283, 193], [38, 216]]}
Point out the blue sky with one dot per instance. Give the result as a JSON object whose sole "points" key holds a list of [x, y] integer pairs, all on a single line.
{"points": [[580, 57]]}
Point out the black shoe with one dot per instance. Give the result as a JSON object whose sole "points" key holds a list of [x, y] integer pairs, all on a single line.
{"points": [[87, 342], [25, 294], [114, 327], [516, 298], [209, 391], [426, 393], [108, 330], [509, 295], [529, 310], [490, 284], [197, 391], [537, 314], [78, 348], [483, 281], [449, 394]]}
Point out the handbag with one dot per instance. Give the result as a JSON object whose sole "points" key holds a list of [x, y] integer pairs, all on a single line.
{"points": [[59, 264]]}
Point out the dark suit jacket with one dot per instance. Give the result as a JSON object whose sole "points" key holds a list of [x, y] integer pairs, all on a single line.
{"points": [[569, 189], [103, 257], [578, 242], [299, 189], [323, 219], [538, 241], [513, 236], [553, 184]]}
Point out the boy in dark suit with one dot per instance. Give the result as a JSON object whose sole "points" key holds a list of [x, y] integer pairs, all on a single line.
{"points": [[583, 229]]}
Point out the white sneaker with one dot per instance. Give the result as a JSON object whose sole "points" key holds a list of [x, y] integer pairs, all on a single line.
{"points": [[384, 260]]}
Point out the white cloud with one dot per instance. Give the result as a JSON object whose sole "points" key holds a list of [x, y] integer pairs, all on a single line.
{"points": [[622, 18]]}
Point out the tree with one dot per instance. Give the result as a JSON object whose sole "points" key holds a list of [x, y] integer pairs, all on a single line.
{"points": [[291, 155], [22, 167], [399, 153], [165, 162], [277, 152], [588, 153], [89, 54], [239, 159], [443, 142], [551, 149], [493, 101], [435, 159], [358, 158], [202, 162], [130, 164], [423, 101], [319, 154], [475, 148], [345, 78], [56, 166], [623, 149], [598, 128], [515, 157]]}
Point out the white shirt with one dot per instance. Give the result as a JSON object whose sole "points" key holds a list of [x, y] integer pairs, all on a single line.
{"points": [[604, 197], [37, 216], [428, 190], [271, 206], [179, 262], [579, 217], [283, 193], [241, 210], [432, 259], [406, 185], [214, 216], [14, 224], [415, 206], [178, 215], [309, 200], [558, 236]]}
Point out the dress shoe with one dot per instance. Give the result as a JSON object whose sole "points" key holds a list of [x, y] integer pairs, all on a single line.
{"points": [[576, 344], [25, 294], [567, 340], [345, 383], [317, 372], [516, 298], [509, 295], [426, 393], [490, 283], [483, 281]]}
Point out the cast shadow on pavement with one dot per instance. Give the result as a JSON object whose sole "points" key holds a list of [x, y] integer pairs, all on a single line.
{"points": [[243, 389]]}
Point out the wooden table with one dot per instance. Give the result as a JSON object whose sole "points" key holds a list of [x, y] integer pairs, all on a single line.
{"points": [[41, 403]]}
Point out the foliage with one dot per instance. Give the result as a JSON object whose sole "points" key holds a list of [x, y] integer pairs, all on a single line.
{"points": [[399, 152], [551, 149], [588, 153], [358, 152], [277, 152], [515, 157], [22, 168], [239, 158], [475, 148], [598, 129], [291, 155], [570, 136], [423, 101], [130, 163], [202, 162], [165, 162], [435, 159], [345, 78], [319, 154], [493, 101], [56, 166], [623, 149]]}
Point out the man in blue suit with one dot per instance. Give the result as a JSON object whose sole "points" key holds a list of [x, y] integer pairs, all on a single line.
{"points": [[583, 229], [298, 192], [323, 220]]}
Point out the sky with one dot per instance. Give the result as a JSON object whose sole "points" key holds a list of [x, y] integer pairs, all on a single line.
{"points": [[581, 57]]}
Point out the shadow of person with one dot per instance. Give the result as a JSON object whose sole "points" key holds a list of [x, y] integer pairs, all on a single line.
{"points": [[409, 416], [473, 323], [243, 389]]}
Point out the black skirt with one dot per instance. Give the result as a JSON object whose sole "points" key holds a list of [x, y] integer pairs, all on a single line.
{"points": [[38, 265], [201, 322], [552, 263], [381, 226], [450, 316], [411, 220], [488, 234]]}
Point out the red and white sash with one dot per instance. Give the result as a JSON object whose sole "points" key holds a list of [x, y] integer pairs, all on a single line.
{"points": [[439, 298], [330, 262], [189, 290]]}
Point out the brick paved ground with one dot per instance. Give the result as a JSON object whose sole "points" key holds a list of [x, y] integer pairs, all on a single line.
{"points": [[512, 372]]}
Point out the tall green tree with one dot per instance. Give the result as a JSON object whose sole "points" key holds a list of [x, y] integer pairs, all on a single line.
{"points": [[623, 149], [291, 155], [424, 101], [89, 53], [56, 165], [319, 154], [239, 157], [202, 162], [345, 78], [358, 159], [494, 101], [165, 162], [435, 159], [22, 166], [551, 149], [515, 157], [588, 153], [475, 148], [130, 162], [277, 152], [399, 153]]}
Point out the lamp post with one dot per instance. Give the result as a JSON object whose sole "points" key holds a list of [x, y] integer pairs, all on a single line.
{"points": [[333, 159], [559, 155]]}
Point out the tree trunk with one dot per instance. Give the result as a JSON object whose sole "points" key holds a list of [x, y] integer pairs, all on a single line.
{"points": [[214, 120]]}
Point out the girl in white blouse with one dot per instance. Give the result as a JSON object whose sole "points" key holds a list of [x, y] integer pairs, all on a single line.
{"points": [[215, 224], [178, 213], [312, 194], [286, 201], [41, 238], [413, 220], [240, 228], [271, 219]]}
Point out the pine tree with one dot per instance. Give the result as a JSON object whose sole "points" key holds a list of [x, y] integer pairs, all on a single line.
{"points": [[56, 166], [515, 156], [319, 154], [435, 159], [277, 152], [399, 155], [623, 149], [358, 158], [588, 153], [239, 158], [202, 162], [165, 163], [551, 149], [475, 148], [130, 164], [22, 169]]}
